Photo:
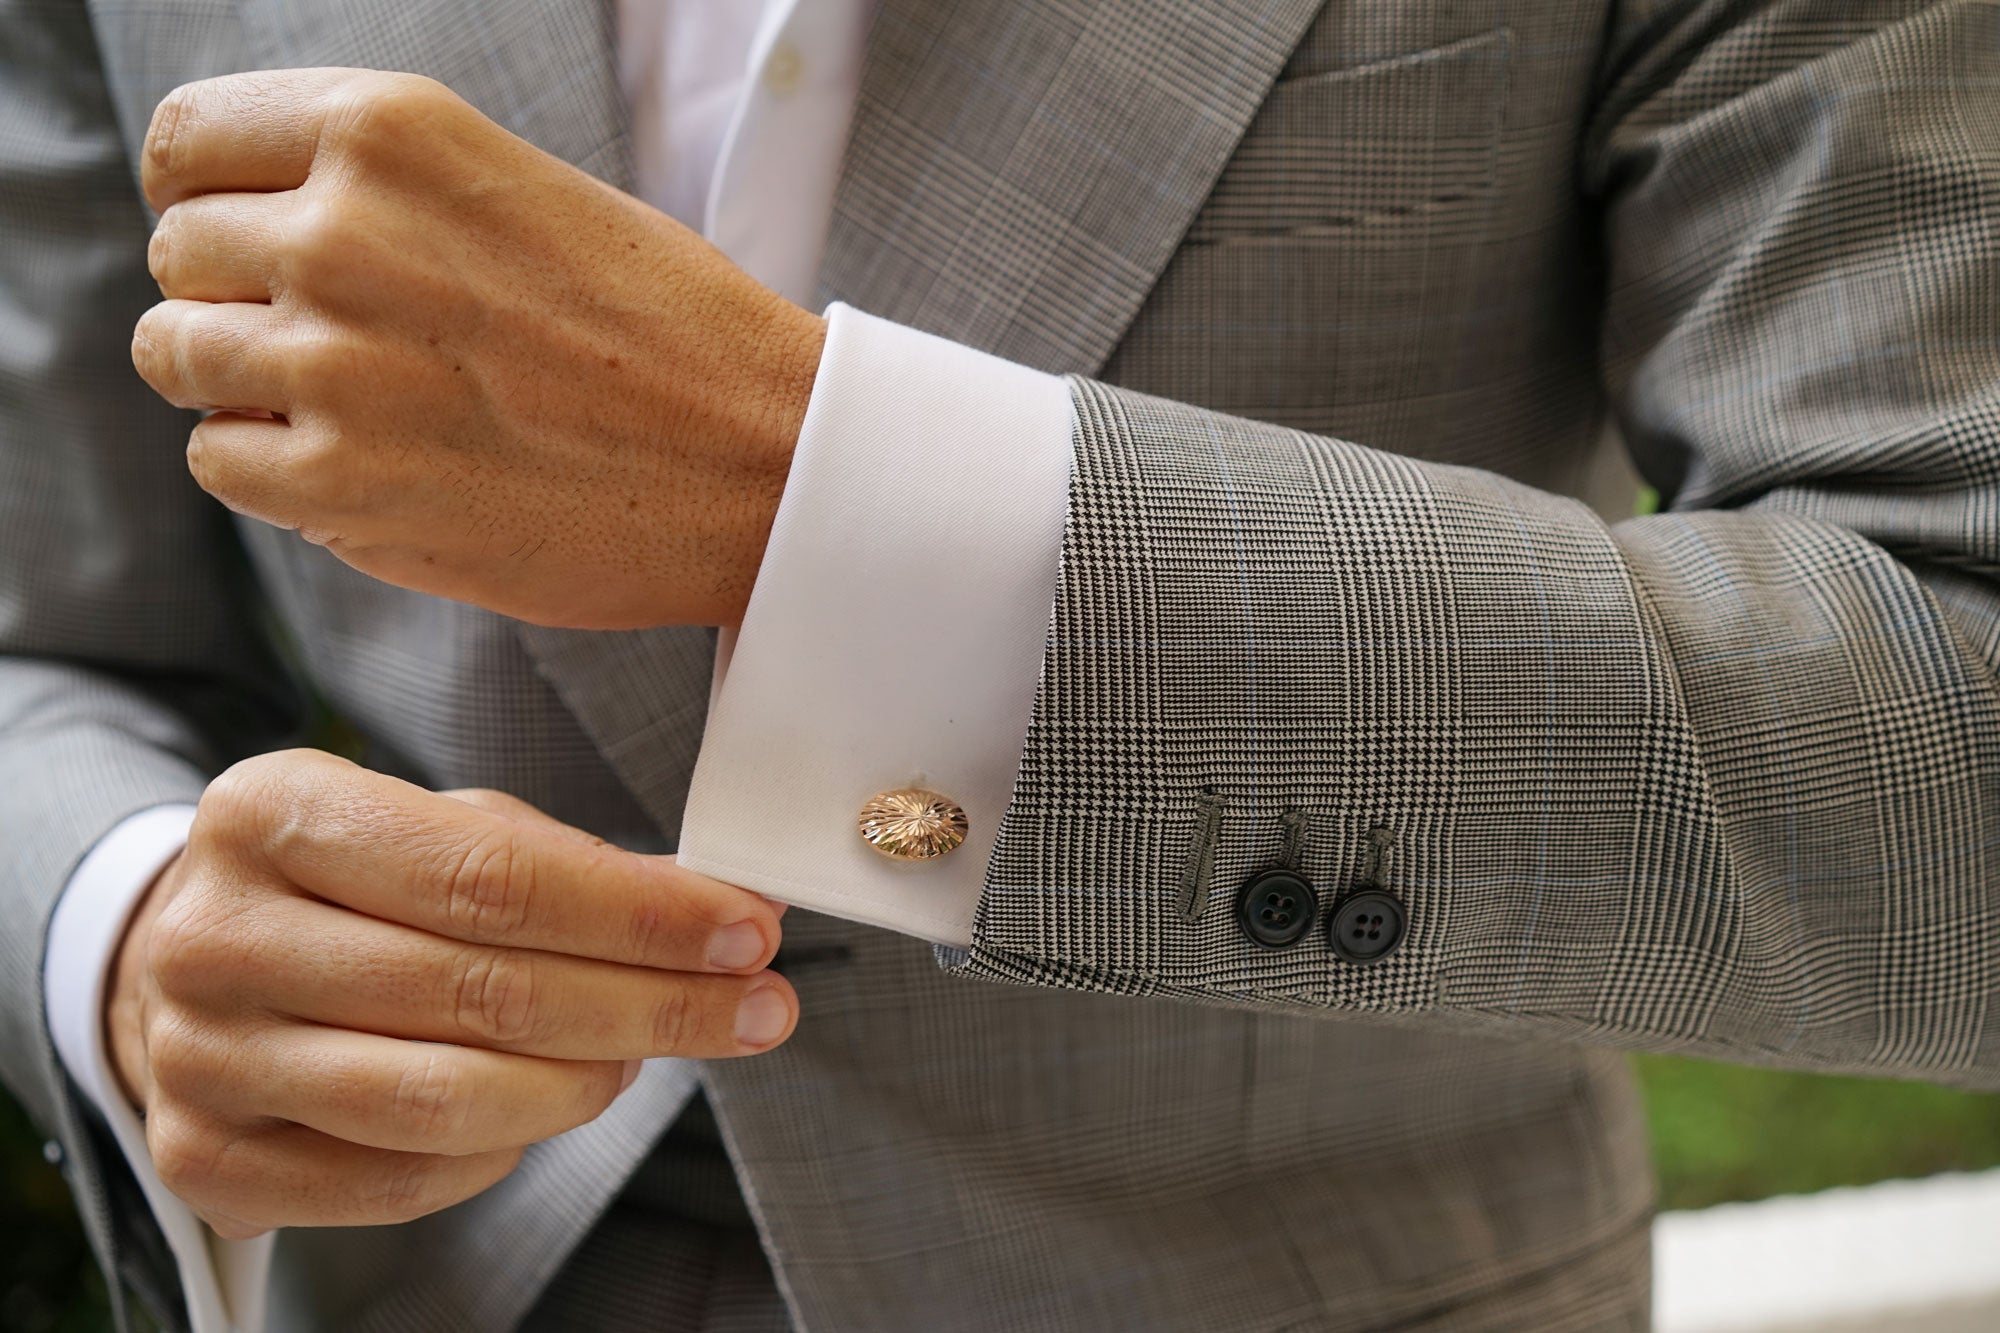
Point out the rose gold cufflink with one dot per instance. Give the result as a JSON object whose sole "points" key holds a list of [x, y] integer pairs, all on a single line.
{"points": [[911, 824]]}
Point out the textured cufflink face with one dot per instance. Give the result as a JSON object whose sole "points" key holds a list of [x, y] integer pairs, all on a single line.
{"points": [[911, 824]]}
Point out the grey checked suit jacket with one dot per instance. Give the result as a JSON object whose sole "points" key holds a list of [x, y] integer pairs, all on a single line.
{"points": [[1349, 287]]}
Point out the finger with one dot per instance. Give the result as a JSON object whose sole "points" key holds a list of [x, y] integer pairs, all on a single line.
{"points": [[410, 1096], [199, 355], [384, 847], [513, 807], [327, 965], [244, 461], [252, 131], [253, 1180], [219, 247]]}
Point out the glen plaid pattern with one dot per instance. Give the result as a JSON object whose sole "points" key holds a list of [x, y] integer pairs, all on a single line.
{"points": [[1607, 755], [1723, 780]]}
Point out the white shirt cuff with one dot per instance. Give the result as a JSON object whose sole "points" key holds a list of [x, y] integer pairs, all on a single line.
{"points": [[895, 633], [220, 1277]]}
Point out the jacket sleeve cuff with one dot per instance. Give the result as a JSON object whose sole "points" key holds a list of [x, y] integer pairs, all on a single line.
{"points": [[896, 631], [223, 1281]]}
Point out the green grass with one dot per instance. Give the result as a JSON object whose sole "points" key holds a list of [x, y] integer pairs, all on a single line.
{"points": [[1725, 1132], [1720, 1132]]}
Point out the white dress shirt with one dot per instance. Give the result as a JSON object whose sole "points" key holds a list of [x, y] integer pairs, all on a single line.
{"points": [[909, 573]]}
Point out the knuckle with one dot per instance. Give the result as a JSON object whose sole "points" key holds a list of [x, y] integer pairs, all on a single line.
{"points": [[173, 348], [429, 1099], [187, 344], [490, 888], [269, 801], [208, 465], [654, 933], [203, 340], [384, 110], [318, 468], [166, 134], [482, 798], [314, 359], [673, 1021], [315, 243], [407, 1189], [188, 1059], [170, 1048], [496, 997], [153, 344], [242, 795], [174, 949], [190, 946], [188, 1155], [160, 249]]}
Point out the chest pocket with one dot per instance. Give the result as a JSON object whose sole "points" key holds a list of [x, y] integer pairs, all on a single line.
{"points": [[1404, 141], [1336, 273]]}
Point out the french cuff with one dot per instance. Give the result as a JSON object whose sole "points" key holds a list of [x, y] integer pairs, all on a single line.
{"points": [[223, 1280], [895, 634]]}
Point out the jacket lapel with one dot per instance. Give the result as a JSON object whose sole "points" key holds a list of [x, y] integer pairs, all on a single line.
{"points": [[1021, 170]]}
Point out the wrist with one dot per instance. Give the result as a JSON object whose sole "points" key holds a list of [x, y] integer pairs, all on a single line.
{"points": [[785, 358], [794, 340]]}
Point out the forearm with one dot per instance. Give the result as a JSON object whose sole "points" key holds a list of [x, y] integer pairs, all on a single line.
{"points": [[1638, 789]]}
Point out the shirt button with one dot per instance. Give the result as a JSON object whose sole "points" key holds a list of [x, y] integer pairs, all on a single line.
{"points": [[1276, 908], [1367, 926], [912, 824], [52, 1153], [785, 68]]}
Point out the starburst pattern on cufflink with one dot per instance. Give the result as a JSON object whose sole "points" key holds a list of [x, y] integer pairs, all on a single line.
{"points": [[911, 824]]}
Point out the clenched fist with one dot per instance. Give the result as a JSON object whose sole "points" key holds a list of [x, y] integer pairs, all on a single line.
{"points": [[459, 363], [352, 1001]]}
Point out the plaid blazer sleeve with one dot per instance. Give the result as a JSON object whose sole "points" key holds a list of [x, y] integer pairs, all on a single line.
{"points": [[131, 667], [1725, 779]]}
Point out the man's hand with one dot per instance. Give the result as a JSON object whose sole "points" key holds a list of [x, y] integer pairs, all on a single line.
{"points": [[352, 1001], [459, 363]]}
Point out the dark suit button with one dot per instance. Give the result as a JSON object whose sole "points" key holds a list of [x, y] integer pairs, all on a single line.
{"points": [[1276, 907], [1367, 926]]}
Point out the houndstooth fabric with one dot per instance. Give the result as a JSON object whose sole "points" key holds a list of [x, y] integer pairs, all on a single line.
{"points": [[1726, 779], [1353, 285]]}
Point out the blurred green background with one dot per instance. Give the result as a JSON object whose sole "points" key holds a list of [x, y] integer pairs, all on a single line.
{"points": [[1720, 1132]]}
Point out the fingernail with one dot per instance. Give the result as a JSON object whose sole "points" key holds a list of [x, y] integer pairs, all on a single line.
{"points": [[761, 1017], [631, 1072], [735, 946]]}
